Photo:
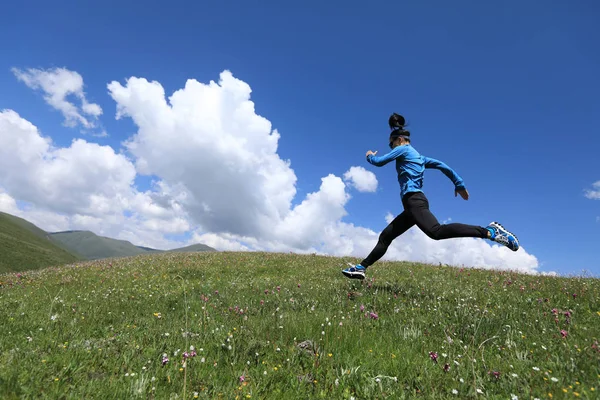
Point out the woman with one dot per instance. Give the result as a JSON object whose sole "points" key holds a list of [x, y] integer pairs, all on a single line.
{"points": [[410, 166]]}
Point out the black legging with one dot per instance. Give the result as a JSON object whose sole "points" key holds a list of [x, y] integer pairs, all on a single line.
{"points": [[416, 211]]}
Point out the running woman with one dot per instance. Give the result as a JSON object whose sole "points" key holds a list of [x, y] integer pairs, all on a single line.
{"points": [[410, 166]]}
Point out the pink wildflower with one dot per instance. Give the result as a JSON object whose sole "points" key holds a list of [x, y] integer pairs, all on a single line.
{"points": [[433, 356], [496, 374], [564, 333]]}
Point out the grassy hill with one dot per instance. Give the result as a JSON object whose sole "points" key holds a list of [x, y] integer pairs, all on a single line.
{"points": [[287, 326], [23, 246]]}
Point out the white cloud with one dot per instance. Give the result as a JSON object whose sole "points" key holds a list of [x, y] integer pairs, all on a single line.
{"points": [[361, 179], [594, 193], [227, 165], [83, 178], [219, 177], [58, 84], [7, 203], [84, 186], [549, 273], [223, 242]]}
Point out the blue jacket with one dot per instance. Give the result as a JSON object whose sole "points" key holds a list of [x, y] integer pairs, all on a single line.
{"points": [[410, 165]]}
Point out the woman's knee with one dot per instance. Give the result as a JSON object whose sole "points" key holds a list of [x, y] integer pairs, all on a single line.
{"points": [[434, 232], [386, 237]]}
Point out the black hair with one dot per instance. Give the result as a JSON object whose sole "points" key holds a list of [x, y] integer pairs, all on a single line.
{"points": [[397, 123]]}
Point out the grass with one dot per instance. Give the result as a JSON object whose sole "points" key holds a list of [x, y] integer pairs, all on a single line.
{"points": [[23, 246], [105, 329]]}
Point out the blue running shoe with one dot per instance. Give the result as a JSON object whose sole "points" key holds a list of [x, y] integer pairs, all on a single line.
{"points": [[354, 271], [502, 236]]}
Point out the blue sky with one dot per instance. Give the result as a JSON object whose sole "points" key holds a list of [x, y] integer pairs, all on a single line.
{"points": [[506, 93]]}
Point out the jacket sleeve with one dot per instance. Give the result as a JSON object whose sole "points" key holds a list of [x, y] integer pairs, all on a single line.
{"points": [[449, 172], [396, 153]]}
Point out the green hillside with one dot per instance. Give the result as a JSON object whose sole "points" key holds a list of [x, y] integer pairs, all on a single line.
{"points": [[282, 326], [24, 246]]}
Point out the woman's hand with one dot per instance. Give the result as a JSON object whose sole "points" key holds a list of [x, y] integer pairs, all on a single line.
{"points": [[463, 193], [370, 152]]}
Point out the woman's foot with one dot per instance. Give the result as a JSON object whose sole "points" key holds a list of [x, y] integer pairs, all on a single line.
{"points": [[500, 235], [354, 271]]}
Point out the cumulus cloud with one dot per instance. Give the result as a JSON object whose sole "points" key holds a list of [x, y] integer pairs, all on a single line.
{"points": [[83, 186], [361, 179], [222, 155], [219, 178], [593, 193], [57, 84], [83, 178]]}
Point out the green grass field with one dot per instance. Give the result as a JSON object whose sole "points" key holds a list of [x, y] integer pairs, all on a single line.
{"points": [[23, 246], [121, 329]]}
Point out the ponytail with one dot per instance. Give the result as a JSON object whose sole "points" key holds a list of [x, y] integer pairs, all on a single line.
{"points": [[397, 123]]}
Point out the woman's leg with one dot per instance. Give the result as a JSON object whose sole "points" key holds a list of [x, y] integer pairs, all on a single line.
{"points": [[397, 227], [418, 205]]}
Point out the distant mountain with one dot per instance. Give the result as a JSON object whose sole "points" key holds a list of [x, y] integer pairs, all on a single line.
{"points": [[149, 249], [192, 248], [24, 246], [92, 247]]}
